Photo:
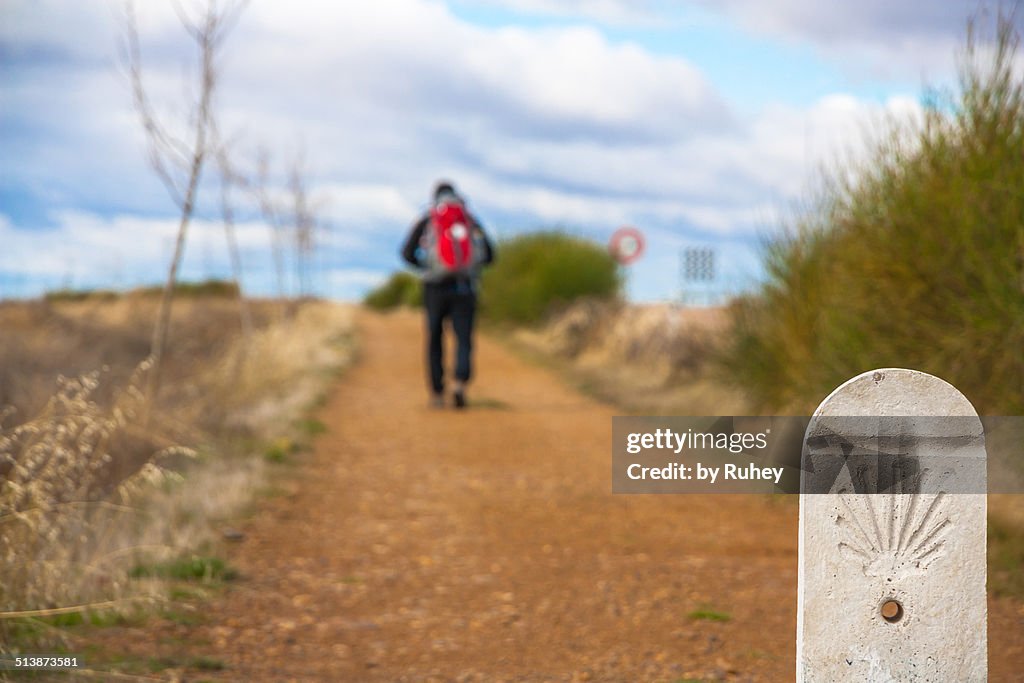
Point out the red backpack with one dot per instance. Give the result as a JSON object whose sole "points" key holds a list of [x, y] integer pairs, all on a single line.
{"points": [[452, 238]]}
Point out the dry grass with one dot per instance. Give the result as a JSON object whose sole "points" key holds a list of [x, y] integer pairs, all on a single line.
{"points": [[661, 359], [87, 491], [650, 359]]}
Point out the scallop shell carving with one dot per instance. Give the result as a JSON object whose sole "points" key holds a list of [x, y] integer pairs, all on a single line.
{"points": [[893, 535]]}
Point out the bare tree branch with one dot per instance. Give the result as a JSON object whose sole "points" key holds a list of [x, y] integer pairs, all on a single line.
{"points": [[160, 144], [272, 215], [304, 223], [167, 152], [229, 177]]}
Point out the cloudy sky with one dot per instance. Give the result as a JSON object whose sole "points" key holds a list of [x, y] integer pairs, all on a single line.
{"points": [[702, 123]]}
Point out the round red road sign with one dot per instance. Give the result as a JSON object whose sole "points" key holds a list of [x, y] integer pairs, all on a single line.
{"points": [[626, 245]]}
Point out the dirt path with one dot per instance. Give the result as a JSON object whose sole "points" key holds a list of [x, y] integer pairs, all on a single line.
{"points": [[422, 545]]}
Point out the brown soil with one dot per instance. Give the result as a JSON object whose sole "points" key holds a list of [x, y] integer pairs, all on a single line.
{"points": [[417, 545]]}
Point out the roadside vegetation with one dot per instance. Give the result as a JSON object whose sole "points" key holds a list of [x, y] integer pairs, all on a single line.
{"points": [[107, 502], [212, 287], [914, 258], [649, 359], [400, 289], [536, 272]]}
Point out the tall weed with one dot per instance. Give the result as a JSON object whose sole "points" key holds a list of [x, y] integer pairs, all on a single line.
{"points": [[915, 259], [89, 490]]}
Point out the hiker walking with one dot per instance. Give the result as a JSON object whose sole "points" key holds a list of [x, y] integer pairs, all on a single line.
{"points": [[449, 246]]}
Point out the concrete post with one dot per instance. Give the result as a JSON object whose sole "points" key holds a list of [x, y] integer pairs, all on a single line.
{"points": [[892, 583]]}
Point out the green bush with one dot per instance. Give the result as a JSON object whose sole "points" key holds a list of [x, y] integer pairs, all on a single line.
{"points": [[917, 261], [533, 272], [58, 295], [401, 289], [194, 568], [203, 288]]}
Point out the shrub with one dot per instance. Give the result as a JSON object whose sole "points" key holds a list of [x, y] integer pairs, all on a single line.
{"points": [[193, 568], [211, 287], [401, 289], [58, 488], [204, 288], [536, 271], [59, 295], [917, 261]]}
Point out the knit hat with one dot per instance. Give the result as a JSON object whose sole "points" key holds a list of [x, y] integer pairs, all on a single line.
{"points": [[445, 187]]}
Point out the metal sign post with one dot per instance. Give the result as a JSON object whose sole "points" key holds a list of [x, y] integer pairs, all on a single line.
{"points": [[626, 245], [697, 271]]}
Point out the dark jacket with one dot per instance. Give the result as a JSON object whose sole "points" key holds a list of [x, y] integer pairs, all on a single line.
{"points": [[412, 253]]}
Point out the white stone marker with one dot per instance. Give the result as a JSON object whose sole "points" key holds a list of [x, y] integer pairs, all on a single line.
{"points": [[892, 585]]}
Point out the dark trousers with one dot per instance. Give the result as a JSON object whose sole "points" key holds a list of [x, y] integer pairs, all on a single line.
{"points": [[455, 300]]}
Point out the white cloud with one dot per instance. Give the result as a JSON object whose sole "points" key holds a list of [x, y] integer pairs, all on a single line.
{"points": [[909, 39], [38, 29], [611, 12], [725, 183], [844, 22], [347, 278], [381, 65], [87, 243], [549, 125], [366, 205], [366, 88], [85, 249]]}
